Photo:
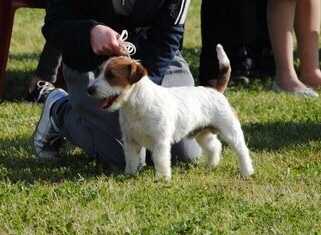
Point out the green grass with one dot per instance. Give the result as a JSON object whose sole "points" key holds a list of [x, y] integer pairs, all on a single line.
{"points": [[73, 197]]}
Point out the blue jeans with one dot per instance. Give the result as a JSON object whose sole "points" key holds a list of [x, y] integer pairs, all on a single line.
{"points": [[98, 132]]}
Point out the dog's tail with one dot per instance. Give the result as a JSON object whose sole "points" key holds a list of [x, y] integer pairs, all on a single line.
{"points": [[224, 73]]}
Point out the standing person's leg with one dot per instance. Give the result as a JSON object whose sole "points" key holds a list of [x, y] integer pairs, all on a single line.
{"points": [[49, 62], [208, 68], [307, 27], [46, 72], [179, 74], [281, 15], [217, 20], [263, 56]]}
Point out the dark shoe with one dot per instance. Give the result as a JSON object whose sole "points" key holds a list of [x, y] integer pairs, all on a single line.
{"points": [[239, 80], [39, 90], [241, 61]]}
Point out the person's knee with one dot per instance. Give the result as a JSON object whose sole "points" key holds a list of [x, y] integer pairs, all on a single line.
{"points": [[76, 104], [77, 88], [186, 150], [178, 73]]}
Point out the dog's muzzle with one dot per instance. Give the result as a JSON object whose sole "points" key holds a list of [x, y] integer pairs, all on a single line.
{"points": [[91, 90]]}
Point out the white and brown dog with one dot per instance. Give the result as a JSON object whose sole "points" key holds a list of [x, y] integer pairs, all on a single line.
{"points": [[155, 117]]}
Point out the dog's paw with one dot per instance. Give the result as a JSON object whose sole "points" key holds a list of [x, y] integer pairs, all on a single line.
{"points": [[213, 162], [131, 171], [247, 171], [166, 178]]}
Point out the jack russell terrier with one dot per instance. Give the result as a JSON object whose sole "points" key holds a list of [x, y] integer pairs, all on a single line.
{"points": [[155, 117]]}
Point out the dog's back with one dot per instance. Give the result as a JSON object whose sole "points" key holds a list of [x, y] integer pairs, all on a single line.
{"points": [[195, 108]]}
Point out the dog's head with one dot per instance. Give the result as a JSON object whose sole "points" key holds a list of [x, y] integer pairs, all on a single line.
{"points": [[115, 82]]}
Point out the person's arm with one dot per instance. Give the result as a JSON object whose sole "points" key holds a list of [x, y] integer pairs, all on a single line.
{"points": [[71, 28], [67, 28], [165, 37]]}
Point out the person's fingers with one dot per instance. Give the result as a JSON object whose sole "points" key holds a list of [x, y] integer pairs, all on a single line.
{"points": [[119, 48], [106, 41], [110, 48], [106, 51]]}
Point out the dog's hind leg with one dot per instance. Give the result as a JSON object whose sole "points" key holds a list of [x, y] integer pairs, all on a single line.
{"points": [[230, 130], [162, 160], [211, 147]]}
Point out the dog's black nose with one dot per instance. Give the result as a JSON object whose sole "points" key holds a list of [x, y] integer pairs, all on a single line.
{"points": [[91, 90]]}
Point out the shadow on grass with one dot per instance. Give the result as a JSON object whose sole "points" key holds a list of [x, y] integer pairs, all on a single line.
{"points": [[16, 85], [17, 79], [16, 167], [275, 136], [24, 56], [17, 164]]}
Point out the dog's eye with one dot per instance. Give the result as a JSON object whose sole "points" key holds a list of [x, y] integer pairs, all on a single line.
{"points": [[108, 75]]}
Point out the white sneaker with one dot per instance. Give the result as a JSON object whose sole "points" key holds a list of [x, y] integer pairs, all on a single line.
{"points": [[47, 138]]}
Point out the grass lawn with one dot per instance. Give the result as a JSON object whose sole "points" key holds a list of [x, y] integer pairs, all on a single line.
{"points": [[282, 132]]}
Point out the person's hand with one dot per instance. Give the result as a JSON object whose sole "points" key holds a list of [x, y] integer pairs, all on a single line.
{"points": [[104, 41]]}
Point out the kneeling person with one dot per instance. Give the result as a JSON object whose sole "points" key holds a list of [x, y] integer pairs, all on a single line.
{"points": [[87, 33]]}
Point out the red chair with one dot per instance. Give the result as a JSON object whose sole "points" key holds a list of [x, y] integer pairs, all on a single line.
{"points": [[7, 12]]}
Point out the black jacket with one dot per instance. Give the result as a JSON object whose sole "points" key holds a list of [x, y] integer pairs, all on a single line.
{"points": [[68, 24]]}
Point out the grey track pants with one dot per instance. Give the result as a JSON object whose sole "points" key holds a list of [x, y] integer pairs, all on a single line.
{"points": [[97, 132]]}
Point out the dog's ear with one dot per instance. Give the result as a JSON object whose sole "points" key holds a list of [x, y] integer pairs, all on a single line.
{"points": [[137, 71]]}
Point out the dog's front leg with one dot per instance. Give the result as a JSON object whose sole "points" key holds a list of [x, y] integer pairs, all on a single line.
{"points": [[134, 157], [162, 160]]}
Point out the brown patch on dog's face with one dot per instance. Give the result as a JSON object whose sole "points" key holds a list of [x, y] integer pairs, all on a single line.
{"points": [[122, 71]]}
